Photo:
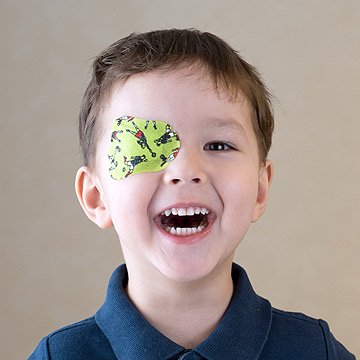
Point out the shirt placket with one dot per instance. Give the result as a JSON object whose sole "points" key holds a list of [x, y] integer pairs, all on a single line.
{"points": [[191, 355]]}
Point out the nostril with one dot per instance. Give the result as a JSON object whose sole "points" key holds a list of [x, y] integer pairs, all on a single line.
{"points": [[176, 181]]}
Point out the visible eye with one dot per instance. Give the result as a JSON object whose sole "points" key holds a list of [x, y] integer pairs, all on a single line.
{"points": [[218, 146]]}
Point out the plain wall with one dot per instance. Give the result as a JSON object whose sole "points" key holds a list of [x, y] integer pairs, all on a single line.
{"points": [[302, 255]]}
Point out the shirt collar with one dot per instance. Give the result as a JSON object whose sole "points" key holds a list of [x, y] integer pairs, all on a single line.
{"points": [[241, 333]]}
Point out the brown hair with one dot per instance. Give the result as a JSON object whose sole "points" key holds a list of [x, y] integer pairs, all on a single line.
{"points": [[167, 50]]}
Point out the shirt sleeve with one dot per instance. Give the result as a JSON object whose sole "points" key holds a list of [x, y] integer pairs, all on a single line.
{"points": [[335, 350], [42, 351]]}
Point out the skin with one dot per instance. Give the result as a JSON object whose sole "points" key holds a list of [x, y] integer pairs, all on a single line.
{"points": [[181, 289]]}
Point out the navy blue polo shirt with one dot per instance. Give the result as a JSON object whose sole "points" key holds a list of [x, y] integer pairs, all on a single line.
{"points": [[250, 329]]}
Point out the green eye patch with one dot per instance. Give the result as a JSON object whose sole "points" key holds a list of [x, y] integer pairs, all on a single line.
{"points": [[138, 146]]}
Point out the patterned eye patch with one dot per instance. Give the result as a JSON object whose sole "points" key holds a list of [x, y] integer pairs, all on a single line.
{"points": [[138, 146]]}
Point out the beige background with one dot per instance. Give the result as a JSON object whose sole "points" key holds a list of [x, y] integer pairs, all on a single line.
{"points": [[303, 255]]}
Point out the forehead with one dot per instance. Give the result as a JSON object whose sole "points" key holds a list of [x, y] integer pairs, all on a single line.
{"points": [[173, 96]]}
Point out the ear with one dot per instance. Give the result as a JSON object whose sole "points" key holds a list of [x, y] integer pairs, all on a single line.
{"points": [[89, 194], [266, 174]]}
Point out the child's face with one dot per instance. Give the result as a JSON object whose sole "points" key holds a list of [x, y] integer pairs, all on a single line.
{"points": [[229, 183]]}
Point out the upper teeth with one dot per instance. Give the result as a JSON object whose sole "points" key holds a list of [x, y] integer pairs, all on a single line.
{"points": [[185, 211]]}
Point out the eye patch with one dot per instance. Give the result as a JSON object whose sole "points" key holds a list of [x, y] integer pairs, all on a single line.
{"points": [[138, 145]]}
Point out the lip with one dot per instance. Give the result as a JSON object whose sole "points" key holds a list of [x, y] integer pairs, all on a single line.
{"points": [[186, 239]]}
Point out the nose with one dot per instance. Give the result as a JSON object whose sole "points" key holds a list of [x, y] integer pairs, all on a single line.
{"points": [[187, 168]]}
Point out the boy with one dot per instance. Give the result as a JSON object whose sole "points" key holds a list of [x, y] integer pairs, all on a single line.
{"points": [[175, 129]]}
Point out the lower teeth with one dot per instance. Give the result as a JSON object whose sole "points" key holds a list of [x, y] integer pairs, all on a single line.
{"points": [[184, 231]]}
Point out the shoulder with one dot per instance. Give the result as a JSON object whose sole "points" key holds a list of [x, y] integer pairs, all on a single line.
{"points": [[302, 337], [81, 340]]}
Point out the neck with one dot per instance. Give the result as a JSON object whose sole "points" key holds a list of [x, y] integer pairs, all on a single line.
{"points": [[185, 312]]}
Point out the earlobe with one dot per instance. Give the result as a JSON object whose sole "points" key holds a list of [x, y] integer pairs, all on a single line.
{"points": [[265, 178], [90, 198]]}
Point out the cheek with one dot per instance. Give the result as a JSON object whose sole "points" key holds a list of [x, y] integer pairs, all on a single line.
{"points": [[129, 203], [239, 194]]}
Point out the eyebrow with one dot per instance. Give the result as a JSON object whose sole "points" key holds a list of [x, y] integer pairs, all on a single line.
{"points": [[227, 123]]}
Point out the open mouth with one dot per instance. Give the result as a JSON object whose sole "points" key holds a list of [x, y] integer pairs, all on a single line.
{"points": [[184, 221]]}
